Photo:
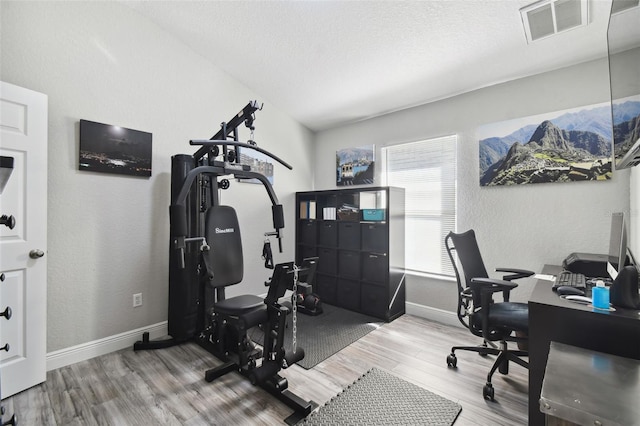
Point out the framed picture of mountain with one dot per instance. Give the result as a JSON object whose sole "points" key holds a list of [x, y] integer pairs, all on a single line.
{"points": [[354, 166], [562, 146], [626, 131]]}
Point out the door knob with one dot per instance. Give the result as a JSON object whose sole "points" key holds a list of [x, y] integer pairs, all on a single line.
{"points": [[5, 347], [36, 253], [6, 313], [8, 221], [2, 276]]}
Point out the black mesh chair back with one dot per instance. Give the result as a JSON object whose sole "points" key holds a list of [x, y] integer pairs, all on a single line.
{"points": [[466, 247]]}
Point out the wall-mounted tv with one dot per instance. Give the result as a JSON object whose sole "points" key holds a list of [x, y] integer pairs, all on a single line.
{"points": [[623, 40], [112, 149]]}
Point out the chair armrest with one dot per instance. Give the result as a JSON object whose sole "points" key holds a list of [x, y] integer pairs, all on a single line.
{"points": [[487, 286], [515, 273], [492, 284]]}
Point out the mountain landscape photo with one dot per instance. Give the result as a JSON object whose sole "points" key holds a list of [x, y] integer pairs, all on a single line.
{"points": [[573, 145], [626, 125]]}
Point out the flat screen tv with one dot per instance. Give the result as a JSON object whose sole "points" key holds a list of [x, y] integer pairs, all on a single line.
{"points": [[623, 41], [113, 149]]}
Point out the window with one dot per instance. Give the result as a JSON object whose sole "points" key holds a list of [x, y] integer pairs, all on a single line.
{"points": [[427, 171]]}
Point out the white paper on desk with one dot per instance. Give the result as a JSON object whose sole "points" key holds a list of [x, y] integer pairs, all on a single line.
{"points": [[545, 277]]}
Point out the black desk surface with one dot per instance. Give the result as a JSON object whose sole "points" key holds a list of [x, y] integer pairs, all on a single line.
{"points": [[543, 294], [554, 319]]}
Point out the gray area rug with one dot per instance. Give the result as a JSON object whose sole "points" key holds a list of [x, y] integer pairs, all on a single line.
{"points": [[323, 335], [380, 398]]}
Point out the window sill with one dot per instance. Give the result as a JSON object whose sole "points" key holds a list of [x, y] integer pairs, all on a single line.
{"points": [[431, 275]]}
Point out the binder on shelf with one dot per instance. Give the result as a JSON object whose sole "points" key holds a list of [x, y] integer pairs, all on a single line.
{"points": [[312, 210], [307, 209], [304, 209]]}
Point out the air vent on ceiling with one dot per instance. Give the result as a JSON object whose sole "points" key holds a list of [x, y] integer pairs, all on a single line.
{"points": [[548, 17], [621, 5]]}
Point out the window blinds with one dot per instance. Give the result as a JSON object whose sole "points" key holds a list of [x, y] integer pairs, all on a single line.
{"points": [[427, 171]]}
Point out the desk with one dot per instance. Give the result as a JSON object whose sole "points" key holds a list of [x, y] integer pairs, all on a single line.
{"points": [[554, 319]]}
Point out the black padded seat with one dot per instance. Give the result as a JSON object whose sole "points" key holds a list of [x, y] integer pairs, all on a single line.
{"points": [[248, 308], [239, 305], [514, 316]]}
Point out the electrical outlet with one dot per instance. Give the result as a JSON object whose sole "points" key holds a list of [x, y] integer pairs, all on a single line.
{"points": [[137, 300]]}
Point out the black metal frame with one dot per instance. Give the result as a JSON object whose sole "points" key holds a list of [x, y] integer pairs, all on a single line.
{"points": [[195, 181]]}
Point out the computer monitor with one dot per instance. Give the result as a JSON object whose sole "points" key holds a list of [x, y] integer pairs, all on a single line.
{"points": [[617, 245]]}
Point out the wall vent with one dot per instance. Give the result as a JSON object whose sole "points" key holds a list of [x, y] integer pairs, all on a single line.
{"points": [[548, 17]]}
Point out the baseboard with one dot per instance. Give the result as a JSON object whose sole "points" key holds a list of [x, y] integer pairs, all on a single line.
{"points": [[85, 351], [432, 314]]}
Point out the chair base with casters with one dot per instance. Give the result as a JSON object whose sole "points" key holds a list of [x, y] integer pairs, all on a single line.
{"points": [[491, 320]]}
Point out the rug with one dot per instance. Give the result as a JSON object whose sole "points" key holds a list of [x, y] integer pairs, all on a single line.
{"points": [[380, 398], [323, 335]]}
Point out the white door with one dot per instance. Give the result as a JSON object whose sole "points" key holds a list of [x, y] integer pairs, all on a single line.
{"points": [[23, 261]]}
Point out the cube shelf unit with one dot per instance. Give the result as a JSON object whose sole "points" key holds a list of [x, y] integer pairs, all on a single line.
{"points": [[358, 235]]}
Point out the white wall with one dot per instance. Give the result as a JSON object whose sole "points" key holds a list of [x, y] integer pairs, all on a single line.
{"points": [[523, 226], [108, 234]]}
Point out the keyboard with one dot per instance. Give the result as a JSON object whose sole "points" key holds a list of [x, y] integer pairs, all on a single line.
{"points": [[570, 279]]}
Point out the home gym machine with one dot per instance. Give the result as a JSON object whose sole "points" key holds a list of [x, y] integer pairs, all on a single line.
{"points": [[206, 256]]}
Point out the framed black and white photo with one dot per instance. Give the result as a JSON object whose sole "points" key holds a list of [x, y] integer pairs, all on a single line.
{"points": [[112, 149]]}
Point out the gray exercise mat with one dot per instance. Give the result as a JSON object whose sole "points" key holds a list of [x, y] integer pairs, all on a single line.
{"points": [[323, 335], [380, 398]]}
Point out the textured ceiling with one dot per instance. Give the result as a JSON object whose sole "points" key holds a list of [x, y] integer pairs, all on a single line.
{"points": [[330, 62]]}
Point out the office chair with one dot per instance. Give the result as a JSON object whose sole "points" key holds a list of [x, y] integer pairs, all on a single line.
{"points": [[492, 320]]}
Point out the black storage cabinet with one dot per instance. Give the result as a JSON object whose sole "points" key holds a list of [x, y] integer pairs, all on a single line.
{"points": [[360, 246]]}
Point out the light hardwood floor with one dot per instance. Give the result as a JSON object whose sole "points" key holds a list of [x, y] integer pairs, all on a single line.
{"points": [[166, 387]]}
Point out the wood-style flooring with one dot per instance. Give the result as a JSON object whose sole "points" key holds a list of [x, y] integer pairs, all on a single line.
{"points": [[167, 386]]}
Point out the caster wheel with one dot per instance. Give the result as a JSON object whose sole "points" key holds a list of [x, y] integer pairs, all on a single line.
{"points": [[452, 361], [488, 392], [483, 353]]}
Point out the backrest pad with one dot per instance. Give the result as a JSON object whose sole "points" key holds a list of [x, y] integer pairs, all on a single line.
{"points": [[223, 236]]}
